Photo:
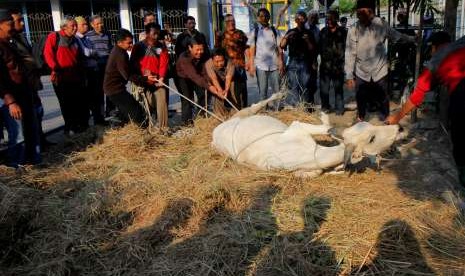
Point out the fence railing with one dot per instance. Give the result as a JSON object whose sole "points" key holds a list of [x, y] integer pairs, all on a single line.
{"points": [[40, 24], [175, 18]]}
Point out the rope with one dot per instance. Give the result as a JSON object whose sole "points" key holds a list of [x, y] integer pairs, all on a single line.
{"points": [[230, 103], [192, 102]]}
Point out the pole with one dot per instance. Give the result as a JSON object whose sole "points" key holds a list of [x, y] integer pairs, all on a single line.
{"points": [[26, 22], [413, 115], [462, 19]]}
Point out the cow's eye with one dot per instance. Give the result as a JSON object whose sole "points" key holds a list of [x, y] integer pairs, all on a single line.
{"points": [[372, 139]]}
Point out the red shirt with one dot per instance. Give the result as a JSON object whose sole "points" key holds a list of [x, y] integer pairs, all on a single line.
{"points": [[154, 59], [449, 72], [64, 55]]}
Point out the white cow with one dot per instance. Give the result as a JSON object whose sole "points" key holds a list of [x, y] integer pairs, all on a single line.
{"points": [[267, 143]]}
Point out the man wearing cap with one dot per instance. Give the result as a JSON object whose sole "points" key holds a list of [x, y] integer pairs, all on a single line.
{"points": [[446, 67], [16, 102], [366, 63]]}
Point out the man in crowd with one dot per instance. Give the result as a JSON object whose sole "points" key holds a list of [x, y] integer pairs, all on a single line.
{"points": [[268, 62], [220, 71], [149, 57], [149, 17], [63, 55], [32, 70], [333, 44], [16, 103], [312, 25], [366, 64], [117, 75], [446, 68], [192, 77], [91, 71], [302, 49], [101, 45], [183, 39], [234, 42]]}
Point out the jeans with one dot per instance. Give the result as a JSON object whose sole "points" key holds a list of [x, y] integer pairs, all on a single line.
{"points": [[26, 129], [325, 83], [298, 75], [129, 108], [15, 152], [374, 94], [187, 88], [265, 78]]}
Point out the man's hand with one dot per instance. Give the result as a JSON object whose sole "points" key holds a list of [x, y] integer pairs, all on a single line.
{"points": [[224, 93], [252, 70], [15, 111], [152, 80], [393, 119], [213, 89], [159, 82], [350, 84], [54, 77]]}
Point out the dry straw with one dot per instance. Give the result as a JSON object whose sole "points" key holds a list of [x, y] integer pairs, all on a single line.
{"points": [[140, 204]]}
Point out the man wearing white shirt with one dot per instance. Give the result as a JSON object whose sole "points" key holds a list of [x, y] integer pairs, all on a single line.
{"points": [[267, 63]]}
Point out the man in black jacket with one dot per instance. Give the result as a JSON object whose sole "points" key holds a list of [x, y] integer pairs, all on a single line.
{"points": [[17, 101], [333, 45], [117, 75], [24, 50]]}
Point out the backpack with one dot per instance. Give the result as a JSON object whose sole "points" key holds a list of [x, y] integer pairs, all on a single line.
{"points": [[38, 53], [275, 33]]}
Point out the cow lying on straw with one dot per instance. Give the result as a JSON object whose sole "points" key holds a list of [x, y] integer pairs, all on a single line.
{"points": [[267, 143]]}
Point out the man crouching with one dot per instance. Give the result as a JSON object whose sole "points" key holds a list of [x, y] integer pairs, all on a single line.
{"points": [[220, 73], [117, 75]]}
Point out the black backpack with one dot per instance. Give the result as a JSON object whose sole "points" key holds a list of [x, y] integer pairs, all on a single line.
{"points": [[38, 53]]}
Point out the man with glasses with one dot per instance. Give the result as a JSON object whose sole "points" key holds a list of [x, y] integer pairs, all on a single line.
{"points": [[234, 42], [16, 100]]}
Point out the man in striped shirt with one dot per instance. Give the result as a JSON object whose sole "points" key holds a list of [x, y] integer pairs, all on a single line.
{"points": [[101, 44]]}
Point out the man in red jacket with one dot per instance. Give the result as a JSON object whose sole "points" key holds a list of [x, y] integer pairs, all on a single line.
{"points": [[64, 57], [150, 57], [446, 67]]}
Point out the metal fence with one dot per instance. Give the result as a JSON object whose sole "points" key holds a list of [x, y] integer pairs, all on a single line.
{"points": [[137, 17], [111, 21], [40, 24], [175, 18]]}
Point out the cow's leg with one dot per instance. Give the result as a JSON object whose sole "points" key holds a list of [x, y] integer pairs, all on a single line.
{"points": [[255, 108], [308, 174], [304, 129]]}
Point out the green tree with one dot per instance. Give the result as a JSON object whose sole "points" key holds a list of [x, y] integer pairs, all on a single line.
{"points": [[346, 6]]}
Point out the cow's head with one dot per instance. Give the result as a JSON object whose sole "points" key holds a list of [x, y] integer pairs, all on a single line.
{"points": [[365, 139]]}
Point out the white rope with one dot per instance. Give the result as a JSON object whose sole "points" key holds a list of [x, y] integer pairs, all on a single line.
{"points": [[230, 103], [192, 102]]}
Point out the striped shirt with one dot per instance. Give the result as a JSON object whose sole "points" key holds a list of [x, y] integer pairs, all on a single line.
{"points": [[101, 44]]}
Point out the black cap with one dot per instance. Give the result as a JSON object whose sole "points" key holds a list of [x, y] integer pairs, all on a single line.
{"points": [[370, 4], [5, 15]]}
